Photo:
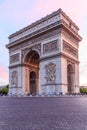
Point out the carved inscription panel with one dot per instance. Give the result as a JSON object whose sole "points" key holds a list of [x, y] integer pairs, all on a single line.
{"points": [[50, 70], [14, 58], [50, 47], [71, 50]]}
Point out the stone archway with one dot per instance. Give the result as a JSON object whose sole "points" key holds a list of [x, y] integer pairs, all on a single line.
{"points": [[70, 78], [32, 62]]}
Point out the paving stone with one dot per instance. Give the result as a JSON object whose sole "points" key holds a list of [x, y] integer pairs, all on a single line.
{"points": [[27, 113]]}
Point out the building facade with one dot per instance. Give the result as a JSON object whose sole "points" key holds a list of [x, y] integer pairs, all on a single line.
{"points": [[43, 57]]}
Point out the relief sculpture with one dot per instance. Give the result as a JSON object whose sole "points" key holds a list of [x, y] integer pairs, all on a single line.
{"points": [[70, 49], [14, 79], [51, 46], [14, 58], [50, 70]]}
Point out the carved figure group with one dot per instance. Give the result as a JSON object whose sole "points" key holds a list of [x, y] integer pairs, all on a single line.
{"points": [[50, 69]]}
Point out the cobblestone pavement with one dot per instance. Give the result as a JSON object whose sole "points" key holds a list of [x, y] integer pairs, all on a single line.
{"points": [[25, 113]]}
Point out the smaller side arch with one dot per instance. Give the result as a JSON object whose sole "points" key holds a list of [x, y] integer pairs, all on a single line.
{"points": [[70, 78], [33, 86]]}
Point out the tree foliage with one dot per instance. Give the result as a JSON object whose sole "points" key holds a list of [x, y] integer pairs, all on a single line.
{"points": [[83, 90], [4, 91]]}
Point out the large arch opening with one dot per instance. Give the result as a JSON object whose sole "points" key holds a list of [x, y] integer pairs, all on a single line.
{"points": [[32, 58], [70, 78], [32, 62]]}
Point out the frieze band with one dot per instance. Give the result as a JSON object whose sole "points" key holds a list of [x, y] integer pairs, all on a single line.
{"points": [[39, 26], [70, 49], [48, 34], [70, 37]]}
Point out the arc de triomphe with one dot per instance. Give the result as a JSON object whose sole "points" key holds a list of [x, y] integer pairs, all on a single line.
{"points": [[43, 57]]}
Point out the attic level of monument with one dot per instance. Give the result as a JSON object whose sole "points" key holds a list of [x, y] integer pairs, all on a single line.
{"points": [[43, 57], [50, 21]]}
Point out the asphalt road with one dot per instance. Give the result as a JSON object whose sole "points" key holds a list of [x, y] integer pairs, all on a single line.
{"points": [[27, 113]]}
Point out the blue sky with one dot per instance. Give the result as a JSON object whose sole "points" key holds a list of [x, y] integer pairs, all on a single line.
{"points": [[17, 14]]}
